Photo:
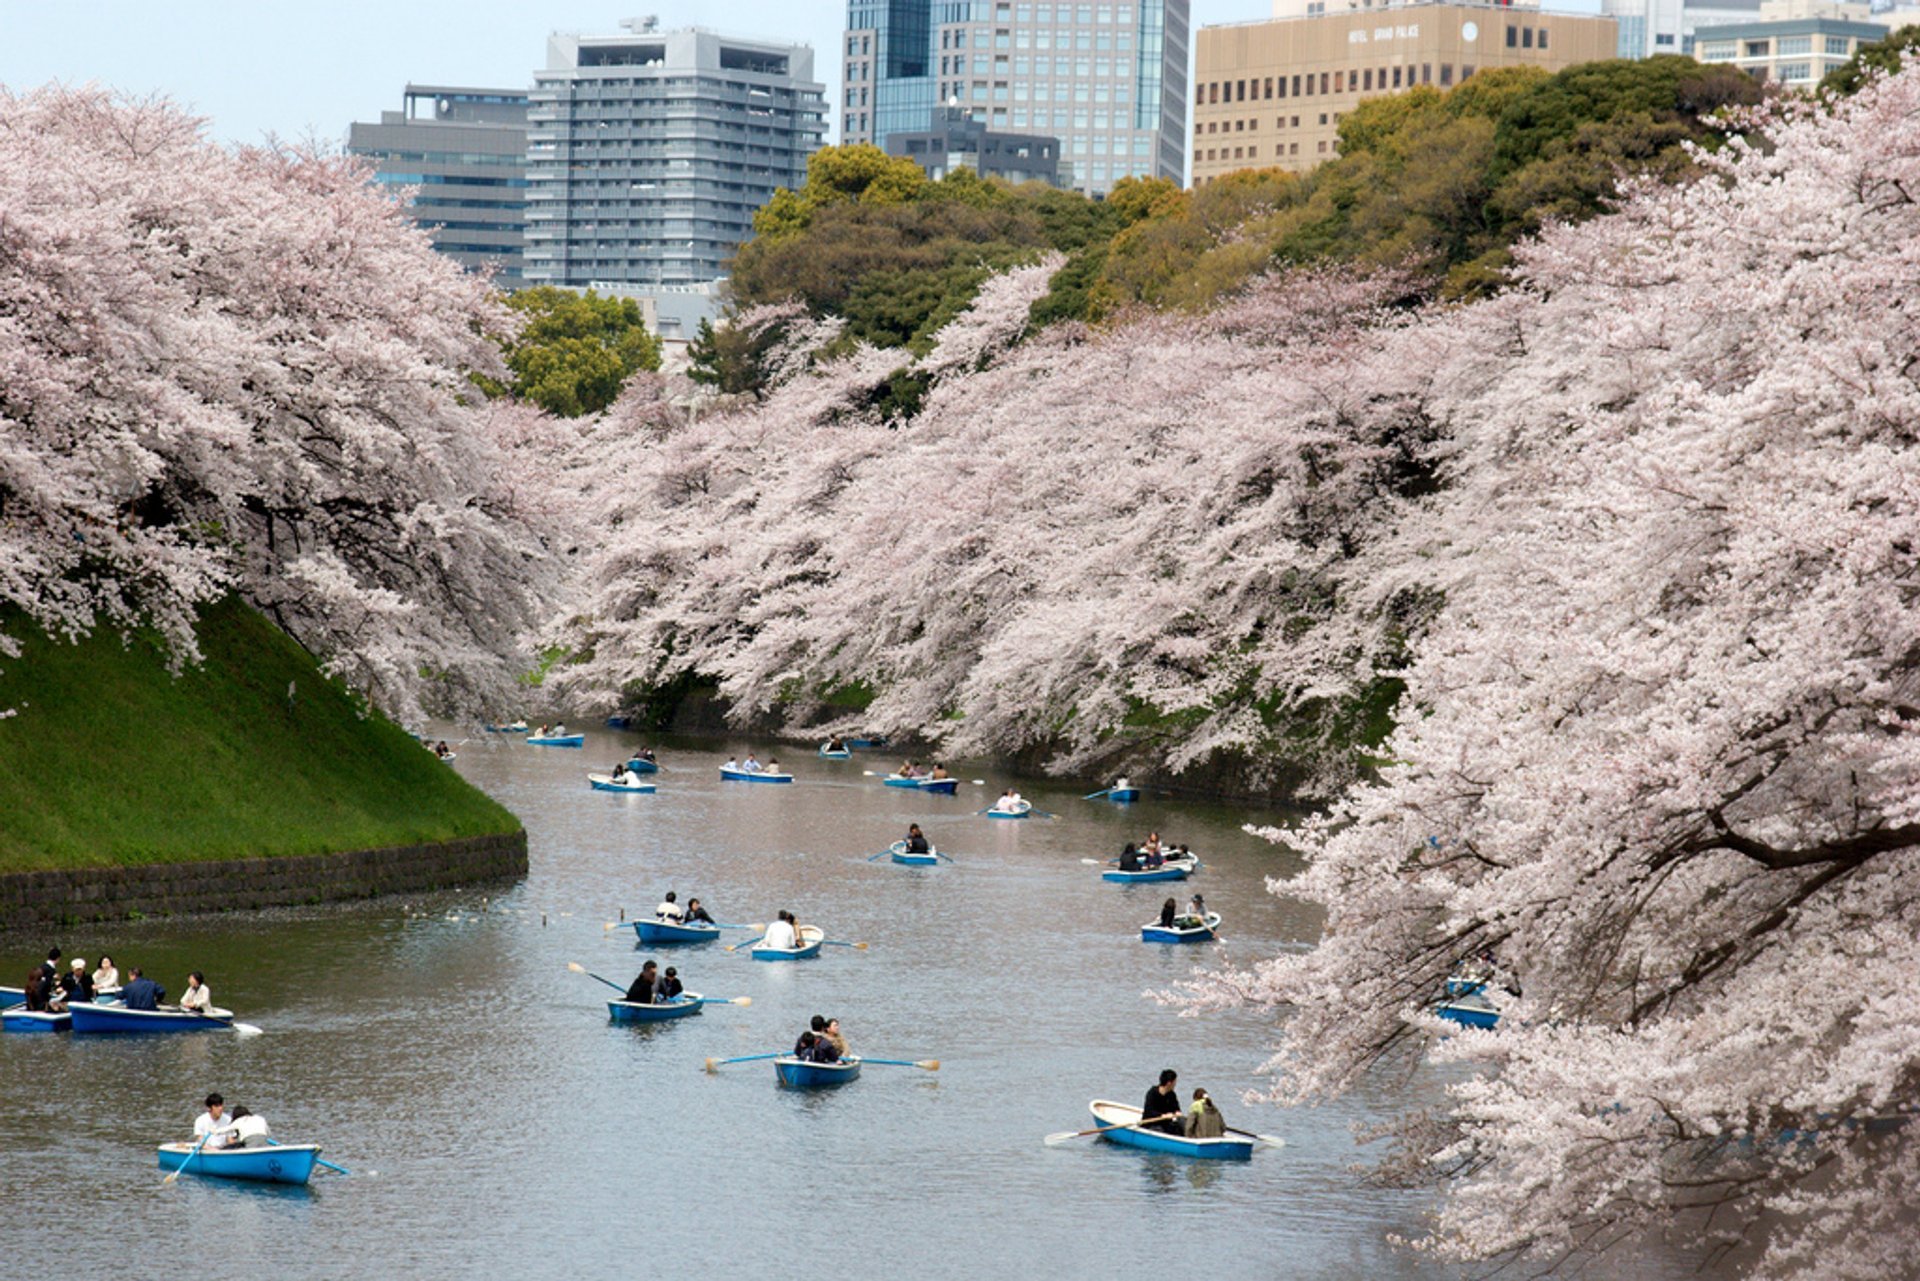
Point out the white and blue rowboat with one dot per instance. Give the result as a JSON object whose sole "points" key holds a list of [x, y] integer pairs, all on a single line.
{"points": [[607, 783], [1123, 794], [619, 722], [91, 1016], [836, 753], [752, 776], [557, 740], [810, 936], [673, 932], [517, 727], [1021, 810], [899, 852], [1469, 1010], [872, 743], [21, 1019], [1177, 933], [937, 786], [641, 765], [13, 996], [1226, 1148], [634, 1012], [278, 1163], [798, 1074], [1165, 872]]}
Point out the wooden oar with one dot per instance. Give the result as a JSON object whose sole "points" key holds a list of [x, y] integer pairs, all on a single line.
{"points": [[317, 1161], [175, 1173], [931, 1065], [938, 854], [578, 968], [1056, 1139], [734, 947], [746, 1058], [1096, 795], [1271, 1140], [890, 849], [725, 1000], [841, 943]]}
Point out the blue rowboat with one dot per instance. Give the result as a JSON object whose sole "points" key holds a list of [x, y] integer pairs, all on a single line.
{"points": [[619, 722], [810, 936], [641, 765], [557, 740], [798, 1074], [517, 727], [871, 743], [634, 1012], [836, 753], [13, 995], [280, 1163], [1158, 933], [1165, 872], [1021, 810], [901, 780], [1465, 987], [1123, 794], [673, 932], [938, 786], [752, 776], [606, 783], [21, 1019], [1470, 1010], [91, 1016], [899, 852], [1226, 1148]]}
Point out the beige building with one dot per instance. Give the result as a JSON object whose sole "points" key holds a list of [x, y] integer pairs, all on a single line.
{"points": [[1270, 94]]}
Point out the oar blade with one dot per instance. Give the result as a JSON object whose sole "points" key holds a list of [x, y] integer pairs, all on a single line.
{"points": [[712, 1067], [931, 1065], [246, 1029], [1060, 1137]]}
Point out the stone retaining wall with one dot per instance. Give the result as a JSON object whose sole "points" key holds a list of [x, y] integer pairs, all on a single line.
{"points": [[77, 895]]}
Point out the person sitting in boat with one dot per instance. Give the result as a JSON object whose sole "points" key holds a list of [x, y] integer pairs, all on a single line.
{"points": [[141, 992], [619, 774], [646, 754], [1167, 914], [1152, 858], [697, 914], [781, 936], [1163, 1102], [669, 911], [1130, 858], [773, 765], [909, 769], [1009, 800], [1203, 1118], [543, 731], [1120, 784], [198, 997], [917, 840], [1194, 917], [642, 991], [835, 743], [835, 1039], [213, 1128], [441, 749], [1151, 846], [50, 968], [249, 1129], [803, 1048], [75, 985], [939, 772], [669, 988], [731, 765], [107, 977], [752, 764], [38, 994]]}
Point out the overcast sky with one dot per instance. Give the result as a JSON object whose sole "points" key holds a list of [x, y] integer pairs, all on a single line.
{"points": [[294, 70]]}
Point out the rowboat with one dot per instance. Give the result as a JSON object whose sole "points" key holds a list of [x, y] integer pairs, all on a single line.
{"points": [[90, 1016], [1020, 810], [517, 727], [1165, 872], [1469, 1009], [1123, 794], [674, 932], [21, 1019], [810, 936], [641, 765], [607, 783], [1154, 932], [280, 1163], [619, 722], [557, 740], [937, 786], [1189, 861], [634, 1012], [870, 743], [799, 1074], [752, 776], [448, 757], [1226, 1148], [836, 753], [900, 855]]}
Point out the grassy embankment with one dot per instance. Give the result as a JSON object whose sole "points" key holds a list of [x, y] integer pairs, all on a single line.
{"points": [[112, 761]]}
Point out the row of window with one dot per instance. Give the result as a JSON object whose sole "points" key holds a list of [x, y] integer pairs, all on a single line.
{"points": [[1023, 91], [1365, 80], [1104, 68], [1242, 126], [1099, 41], [1778, 47], [1281, 150], [513, 160], [1525, 37]]}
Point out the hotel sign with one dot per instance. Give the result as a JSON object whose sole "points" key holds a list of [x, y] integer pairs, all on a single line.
{"points": [[1409, 32]]}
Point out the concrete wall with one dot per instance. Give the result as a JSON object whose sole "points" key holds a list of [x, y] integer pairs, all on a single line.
{"points": [[78, 895]]}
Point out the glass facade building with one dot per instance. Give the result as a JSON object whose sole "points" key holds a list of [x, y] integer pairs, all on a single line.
{"points": [[648, 153], [1108, 78]]}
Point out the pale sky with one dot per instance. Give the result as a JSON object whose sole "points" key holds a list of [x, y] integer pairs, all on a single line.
{"points": [[296, 70]]}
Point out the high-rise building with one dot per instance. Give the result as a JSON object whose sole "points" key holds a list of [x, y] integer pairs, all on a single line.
{"points": [[464, 152], [1794, 42], [1107, 78], [957, 141], [648, 152], [1271, 94]]}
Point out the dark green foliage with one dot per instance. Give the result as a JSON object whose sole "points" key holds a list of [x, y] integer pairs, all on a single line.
{"points": [[729, 360], [574, 350], [1882, 55]]}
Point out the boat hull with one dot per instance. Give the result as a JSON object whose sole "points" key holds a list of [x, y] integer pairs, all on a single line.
{"points": [[900, 780], [92, 1017], [24, 1020], [605, 783], [914, 860], [797, 1074], [1124, 794], [1158, 933], [810, 938], [999, 813], [279, 1163], [836, 754], [1469, 1013], [557, 740], [641, 765], [753, 776], [507, 729], [631, 1012], [1226, 1148], [668, 932], [1168, 873], [873, 743]]}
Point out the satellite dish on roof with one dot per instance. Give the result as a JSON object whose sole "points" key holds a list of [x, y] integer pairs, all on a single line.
{"points": [[442, 106]]}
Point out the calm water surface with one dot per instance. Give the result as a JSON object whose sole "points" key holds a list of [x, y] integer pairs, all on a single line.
{"points": [[495, 1120]]}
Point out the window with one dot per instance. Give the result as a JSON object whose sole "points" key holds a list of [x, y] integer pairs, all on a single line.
{"points": [[1366, 80], [1526, 37], [1324, 76], [1296, 86], [1716, 51], [1323, 117], [1239, 91], [1269, 86], [1446, 74], [1426, 73], [1793, 45], [1396, 77], [1758, 48], [1838, 44], [1513, 36], [1213, 93], [1293, 148], [1239, 126], [1794, 72], [1543, 38], [1283, 87], [1339, 82]]}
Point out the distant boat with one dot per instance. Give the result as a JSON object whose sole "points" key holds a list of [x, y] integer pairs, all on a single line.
{"points": [[607, 783], [836, 753], [279, 1163], [868, 743], [673, 932], [635, 1012], [800, 1074], [752, 776], [641, 765], [898, 850], [1226, 1148], [938, 786], [1165, 872], [1469, 1009], [810, 937], [517, 727], [20, 1019], [557, 740], [619, 722], [90, 1016], [1123, 794], [1019, 809], [1154, 932]]}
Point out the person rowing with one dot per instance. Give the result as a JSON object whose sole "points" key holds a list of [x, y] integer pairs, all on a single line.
{"points": [[781, 936], [1130, 858], [669, 911], [696, 915], [1196, 914], [643, 988], [669, 988], [835, 743], [141, 992], [917, 840], [1161, 1111], [213, 1128]]}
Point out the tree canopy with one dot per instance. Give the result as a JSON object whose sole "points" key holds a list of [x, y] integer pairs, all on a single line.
{"points": [[573, 350]]}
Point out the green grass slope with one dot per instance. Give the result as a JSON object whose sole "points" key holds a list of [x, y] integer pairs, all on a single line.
{"points": [[111, 760]]}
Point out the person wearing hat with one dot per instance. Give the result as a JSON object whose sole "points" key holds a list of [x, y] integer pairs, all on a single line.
{"points": [[74, 984], [1163, 1101], [213, 1126]]}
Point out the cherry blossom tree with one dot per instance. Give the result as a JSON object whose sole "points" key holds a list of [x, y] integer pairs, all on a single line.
{"points": [[1658, 749], [243, 370]]}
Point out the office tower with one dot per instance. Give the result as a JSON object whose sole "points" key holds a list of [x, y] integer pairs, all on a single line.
{"points": [[957, 141], [1271, 94], [464, 152], [1107, 78], [648, 152]]}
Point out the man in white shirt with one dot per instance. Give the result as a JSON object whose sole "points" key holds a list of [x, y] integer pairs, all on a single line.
{"points": [[214, 1125], [669, 910], [780, 935]]}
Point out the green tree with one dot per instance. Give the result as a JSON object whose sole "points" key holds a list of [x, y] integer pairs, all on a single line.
{"points": [[574, 351], [1881, 56]]}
